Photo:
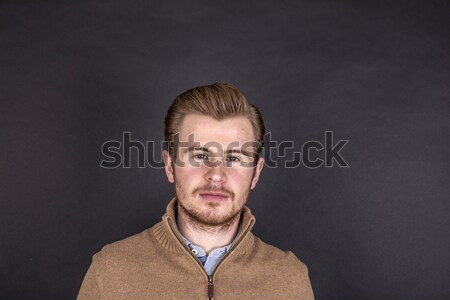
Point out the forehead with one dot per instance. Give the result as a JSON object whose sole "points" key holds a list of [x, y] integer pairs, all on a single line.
{"points": [[205, 129]]}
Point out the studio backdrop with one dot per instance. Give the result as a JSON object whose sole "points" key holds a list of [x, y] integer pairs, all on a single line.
{"points": [[355, 98]]}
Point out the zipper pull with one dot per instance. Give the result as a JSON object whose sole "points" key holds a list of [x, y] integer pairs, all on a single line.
{"points": [[210, 287]]}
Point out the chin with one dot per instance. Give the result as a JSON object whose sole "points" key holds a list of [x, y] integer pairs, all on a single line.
{"points": [[213, 217]]}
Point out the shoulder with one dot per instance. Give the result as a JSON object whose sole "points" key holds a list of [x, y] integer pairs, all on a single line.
{"points": [[127, 248], [281, 268], [274, 256]]}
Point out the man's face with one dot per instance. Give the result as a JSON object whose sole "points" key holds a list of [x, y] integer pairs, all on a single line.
{"points": [[214, 170]]}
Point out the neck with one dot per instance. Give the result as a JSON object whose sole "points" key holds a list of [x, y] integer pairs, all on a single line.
{"points": [[206, 236]]}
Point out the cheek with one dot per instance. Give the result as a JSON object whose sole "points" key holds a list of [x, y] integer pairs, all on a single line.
{"points": [[240, 179], [189, 176]]}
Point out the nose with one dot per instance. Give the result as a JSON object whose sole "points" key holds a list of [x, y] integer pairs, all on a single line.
{"points": [[216, 172]]}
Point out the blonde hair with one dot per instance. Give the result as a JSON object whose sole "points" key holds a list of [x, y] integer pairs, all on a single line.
{"points": [[219, 101]]}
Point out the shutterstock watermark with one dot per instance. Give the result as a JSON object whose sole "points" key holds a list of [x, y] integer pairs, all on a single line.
{"points": [[312, 154]]}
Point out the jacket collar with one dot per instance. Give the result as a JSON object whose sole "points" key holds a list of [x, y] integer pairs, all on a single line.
{"points": [[167, 234]]}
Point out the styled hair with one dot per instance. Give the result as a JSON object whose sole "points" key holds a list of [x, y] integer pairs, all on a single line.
{"points": [[219, 101]]}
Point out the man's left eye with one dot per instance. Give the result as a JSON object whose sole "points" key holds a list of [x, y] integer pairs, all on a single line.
{"points": [[233, 158]]}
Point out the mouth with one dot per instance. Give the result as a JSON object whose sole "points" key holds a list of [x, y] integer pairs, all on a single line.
{"points": [[214, 196]]}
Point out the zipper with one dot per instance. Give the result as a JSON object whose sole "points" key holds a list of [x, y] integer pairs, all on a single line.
{"points": [[210, 287], [210, 290]]}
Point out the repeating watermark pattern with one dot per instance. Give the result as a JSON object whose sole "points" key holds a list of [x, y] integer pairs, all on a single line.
{"points": [[312, 154]]}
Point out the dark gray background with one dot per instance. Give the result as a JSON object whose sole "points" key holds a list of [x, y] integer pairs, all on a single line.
{"points": [[76, 74]]}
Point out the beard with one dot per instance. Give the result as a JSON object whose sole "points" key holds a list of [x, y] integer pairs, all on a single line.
{"points": [[209, 217]]}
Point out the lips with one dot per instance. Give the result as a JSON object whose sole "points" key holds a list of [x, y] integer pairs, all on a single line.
{"points": [[214, 195]]}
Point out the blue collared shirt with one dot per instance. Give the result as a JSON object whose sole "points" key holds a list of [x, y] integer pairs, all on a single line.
{"points": [[209, 261]]}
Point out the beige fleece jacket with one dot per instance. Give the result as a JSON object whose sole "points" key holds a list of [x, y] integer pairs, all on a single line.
{"points": [[156, 264]]}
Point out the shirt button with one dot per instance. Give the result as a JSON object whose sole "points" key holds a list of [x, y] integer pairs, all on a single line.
{"points": [[195, 251]]}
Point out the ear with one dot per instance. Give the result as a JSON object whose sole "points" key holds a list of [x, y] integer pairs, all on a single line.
{"points": [[168, 166], [258, 169]]}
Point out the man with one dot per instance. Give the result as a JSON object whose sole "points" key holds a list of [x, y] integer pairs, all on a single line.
{"points": [[203, 248]]}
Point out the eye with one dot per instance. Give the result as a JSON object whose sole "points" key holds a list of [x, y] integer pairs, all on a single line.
{"points": [[233, 158], [201, 156]]}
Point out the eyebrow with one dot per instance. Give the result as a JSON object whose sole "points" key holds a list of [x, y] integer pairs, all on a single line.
{"points": [[195, 148]]}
